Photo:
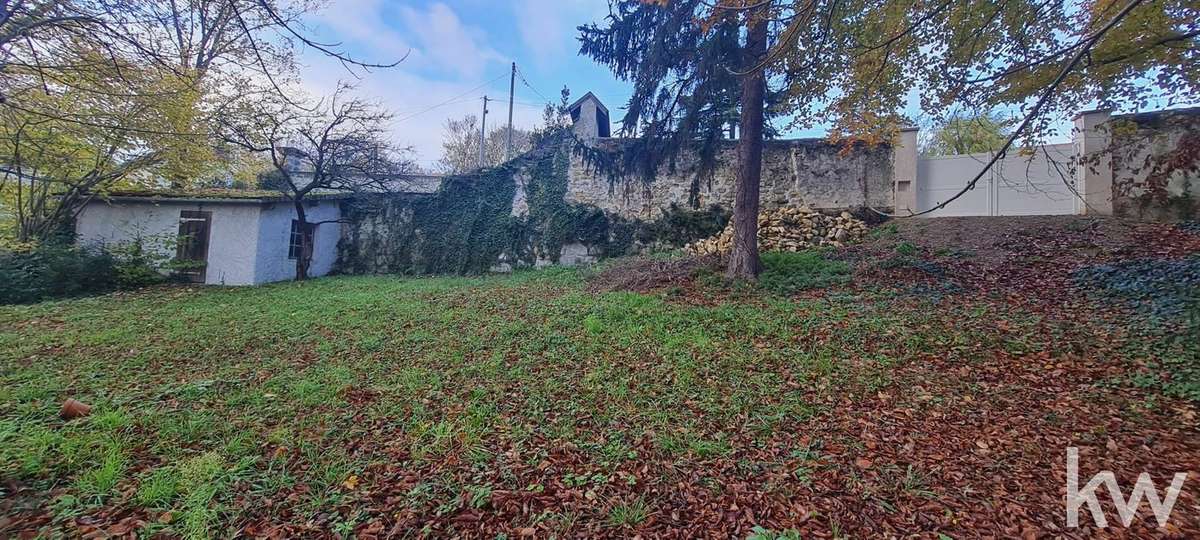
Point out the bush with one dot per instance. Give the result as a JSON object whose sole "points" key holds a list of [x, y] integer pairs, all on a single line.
{"points": [[136, 266], [788, 273], [53, 271], [679, 226], [906, 248], [48, 271]]}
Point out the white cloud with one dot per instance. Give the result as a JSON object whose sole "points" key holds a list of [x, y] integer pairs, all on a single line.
{"points": [[361, 23], [548, 27], [448, 60], [433, 37], [443, 41]]}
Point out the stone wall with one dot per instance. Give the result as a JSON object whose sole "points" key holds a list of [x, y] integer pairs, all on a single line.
{"points": [[1156, 165], [473, 222], [379, 234], [804, 172], [548, 207]]}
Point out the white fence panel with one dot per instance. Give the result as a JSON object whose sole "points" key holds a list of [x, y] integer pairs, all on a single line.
{"points": [[1019, 185], [940, 178], [1041, 186]]}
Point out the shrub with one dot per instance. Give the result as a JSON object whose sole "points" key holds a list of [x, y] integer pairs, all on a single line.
{"points": [[679, 226], [53, 270], [787, 273], [906, 248], [140, 263]]}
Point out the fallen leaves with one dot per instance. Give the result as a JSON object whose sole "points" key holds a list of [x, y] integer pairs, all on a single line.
{"points": [[955, 425]]}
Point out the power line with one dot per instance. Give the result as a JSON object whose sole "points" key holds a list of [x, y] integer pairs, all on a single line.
{"points": [[447, 102], [416, 110], [525, 81]]}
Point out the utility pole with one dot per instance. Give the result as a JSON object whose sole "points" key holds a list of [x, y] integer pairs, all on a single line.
{"points": [[512, 85], [483, 132]]}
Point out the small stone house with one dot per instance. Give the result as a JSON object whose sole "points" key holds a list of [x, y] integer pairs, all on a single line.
{"points": [[589, 118], [233, 237]]}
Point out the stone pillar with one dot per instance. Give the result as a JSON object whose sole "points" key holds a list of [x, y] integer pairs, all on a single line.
{"points": [[1093, 167], [904, 172]]}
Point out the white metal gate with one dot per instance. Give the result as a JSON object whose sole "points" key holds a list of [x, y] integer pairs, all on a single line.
{"points": [[1019, 185]]}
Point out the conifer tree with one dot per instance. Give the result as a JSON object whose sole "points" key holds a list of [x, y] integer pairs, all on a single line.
{"points": [[851, 65]]}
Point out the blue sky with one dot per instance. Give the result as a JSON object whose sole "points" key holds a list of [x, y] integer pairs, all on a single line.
{"points": [[453, 48], [460, 50]]}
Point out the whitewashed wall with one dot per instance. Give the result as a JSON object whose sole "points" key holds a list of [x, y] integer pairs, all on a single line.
{"points": [[274, 234], [231, 250]]}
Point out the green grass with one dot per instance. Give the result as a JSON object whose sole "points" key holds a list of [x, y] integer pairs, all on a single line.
{"points": [[787, 273], [628, 514], [223, 405]]}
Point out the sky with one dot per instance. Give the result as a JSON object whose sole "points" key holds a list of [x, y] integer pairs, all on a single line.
{"points": [[457, 52]]}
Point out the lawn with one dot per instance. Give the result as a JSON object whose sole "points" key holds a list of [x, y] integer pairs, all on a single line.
{"points": [[884, 396]]}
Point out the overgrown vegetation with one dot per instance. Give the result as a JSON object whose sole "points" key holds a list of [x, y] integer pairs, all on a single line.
{"points": [[1163, 288], [57, 270], [559, 402], [466, 225], [788, 273], [469, 224]]}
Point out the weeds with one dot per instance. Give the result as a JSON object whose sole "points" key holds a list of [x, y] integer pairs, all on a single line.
{"points": [[464, 392], [159, 488], [98, 483], [762, 533], [628, 514]]}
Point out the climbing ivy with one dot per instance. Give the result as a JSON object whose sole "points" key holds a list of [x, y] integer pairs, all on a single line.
{"points": [[468, 225], [557, 223]]}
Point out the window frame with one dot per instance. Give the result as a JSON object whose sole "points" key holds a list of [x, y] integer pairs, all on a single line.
{"points": [[295, 241]]}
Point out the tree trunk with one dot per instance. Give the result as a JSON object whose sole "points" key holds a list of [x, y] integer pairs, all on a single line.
{"points": [[306, 241], [743, 258]]}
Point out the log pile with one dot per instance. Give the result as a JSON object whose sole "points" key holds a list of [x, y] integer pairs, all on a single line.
{"points": [[789, 229]]}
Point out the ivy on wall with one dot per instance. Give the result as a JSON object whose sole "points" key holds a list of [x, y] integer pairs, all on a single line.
{"points": [[465, 227], [468, 225], [1156, 162]]}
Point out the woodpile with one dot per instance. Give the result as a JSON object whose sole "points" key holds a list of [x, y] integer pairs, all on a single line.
{"points": [[789, 229]]}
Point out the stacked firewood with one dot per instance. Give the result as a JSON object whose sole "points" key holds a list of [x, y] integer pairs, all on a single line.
{"points": [[789, 229]]}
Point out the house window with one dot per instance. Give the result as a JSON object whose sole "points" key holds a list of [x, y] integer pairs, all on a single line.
{"points": [[296, 240]]}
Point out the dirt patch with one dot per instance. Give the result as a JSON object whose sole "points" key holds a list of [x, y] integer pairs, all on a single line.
{"points": [[1031, 259], [650, 274]]}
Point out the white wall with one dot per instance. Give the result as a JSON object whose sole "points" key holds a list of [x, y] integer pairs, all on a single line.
{"points": [[274, 235], [231, 248]]}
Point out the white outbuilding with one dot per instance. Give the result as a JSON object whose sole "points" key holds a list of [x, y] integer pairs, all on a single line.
{"points": [[233, 237]]}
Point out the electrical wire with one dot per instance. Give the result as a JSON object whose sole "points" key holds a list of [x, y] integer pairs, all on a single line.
{"points": [[451, 101], [525, 81]]}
